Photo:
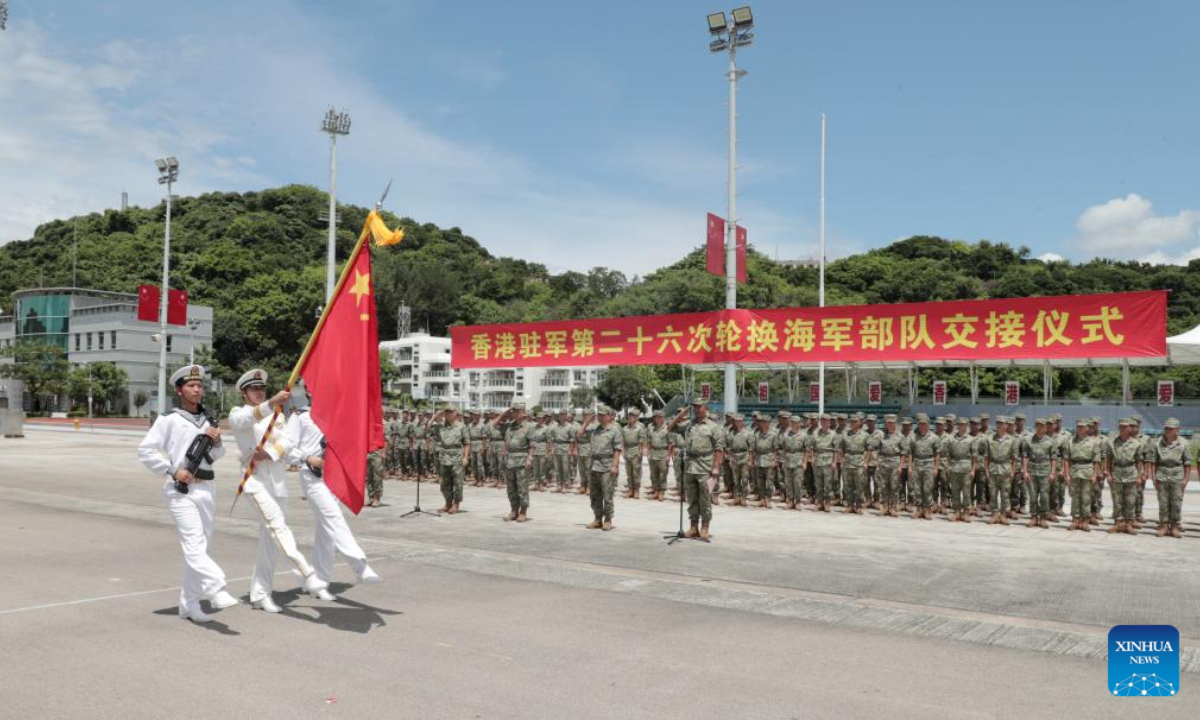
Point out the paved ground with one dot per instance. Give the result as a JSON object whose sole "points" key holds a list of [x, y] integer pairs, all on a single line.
{"points": [[785, 614]]}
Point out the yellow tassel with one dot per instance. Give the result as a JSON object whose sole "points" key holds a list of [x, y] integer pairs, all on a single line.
{"points": [[380, 233]]}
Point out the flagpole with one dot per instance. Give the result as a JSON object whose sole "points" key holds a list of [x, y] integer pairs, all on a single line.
{"points": [[821, 265], [362, 238]]}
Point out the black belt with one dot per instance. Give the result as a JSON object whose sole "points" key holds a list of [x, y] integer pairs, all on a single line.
{"points": [[203, 475]]}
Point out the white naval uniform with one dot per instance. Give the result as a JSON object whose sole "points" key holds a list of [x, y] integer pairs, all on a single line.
{"points": [[331, 531], [267, 485], [163, 451]]}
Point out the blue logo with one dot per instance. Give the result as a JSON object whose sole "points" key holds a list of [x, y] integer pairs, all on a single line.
{"points": [[1143, 661]]}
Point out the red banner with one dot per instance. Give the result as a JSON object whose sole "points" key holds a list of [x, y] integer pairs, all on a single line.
{"points": [[147, 308], [177, 302], [715, 248], [1068, 327]]}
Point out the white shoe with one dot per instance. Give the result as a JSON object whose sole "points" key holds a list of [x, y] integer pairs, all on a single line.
{"points": [[369, 576], [196, 615], [266, 605], [324, 595], [223, 600], [312, 584]]}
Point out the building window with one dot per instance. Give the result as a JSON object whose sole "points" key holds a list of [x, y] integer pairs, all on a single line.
{"points": [[89, 342], [76, 342], [168, 343], [113, 337], [100, 339]]}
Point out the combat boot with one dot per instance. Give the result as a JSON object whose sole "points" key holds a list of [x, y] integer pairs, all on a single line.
{"points": [[1131, 528], [511, 516], [522, 517], [704, 531], [444, 509], [1085, 526], [1176, 530], [715, 500], [1118, 526], [1162, 530], [1003, 519], [607, 525], [582, 490], [453, 509], [1033, 522], [1043, 524], [595, 524], [693, 531], [1074, 525]]}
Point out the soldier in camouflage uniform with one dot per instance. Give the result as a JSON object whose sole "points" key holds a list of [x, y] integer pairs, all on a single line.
{"points": [[1060, 483], [420, 430], [604, 451], [982, 488], [659, 440], [705, 444], [872, 485], [1082, 457], [1106, 467], [779, 473], [1000, 463], [793, 445], [891, 450], [738, 442], [518, 454], [391, 436], [583, 459], [942, 429], [453, 450], [763, 458], [1019, 492], [678, 457], [1147, 457], [925, 462], [633, 438], [476, 447], [958, 455], [1041, 457], [825, 446], [539, 440], [839, 429], [375, 473], [906, 471], [1128, 471], [495, 441], [562, 437], [1170, 465], [855, 451]]}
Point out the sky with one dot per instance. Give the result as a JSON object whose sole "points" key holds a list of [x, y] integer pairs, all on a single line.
{"points": [[595, 134]]}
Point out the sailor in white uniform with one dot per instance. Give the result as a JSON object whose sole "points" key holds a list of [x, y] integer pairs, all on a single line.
{"points": [[330, 533], [267, 487], [189, 495]]}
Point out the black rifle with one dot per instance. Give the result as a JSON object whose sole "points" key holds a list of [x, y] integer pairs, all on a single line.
{"points": [[319, 472], [198, 452]]}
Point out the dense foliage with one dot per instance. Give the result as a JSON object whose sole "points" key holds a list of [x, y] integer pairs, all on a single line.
{"points": [[258, 259]]}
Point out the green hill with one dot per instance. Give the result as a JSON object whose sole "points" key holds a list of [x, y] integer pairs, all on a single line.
{"points": [[258, 259]]}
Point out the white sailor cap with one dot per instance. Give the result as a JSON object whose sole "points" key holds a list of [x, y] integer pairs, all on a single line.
{"points": [[187, 373], [252, 378]]}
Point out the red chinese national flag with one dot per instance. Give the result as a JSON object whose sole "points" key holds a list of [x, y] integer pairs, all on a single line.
{"points": [[715, 256], [342, 370], [741, 254], [177, 302], [147, 308]]}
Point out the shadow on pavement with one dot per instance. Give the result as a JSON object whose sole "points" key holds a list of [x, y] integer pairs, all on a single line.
{"points": [[345, 614], [215, 625]]}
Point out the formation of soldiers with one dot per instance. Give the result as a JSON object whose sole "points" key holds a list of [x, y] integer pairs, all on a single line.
{"points": [[959, 467]]}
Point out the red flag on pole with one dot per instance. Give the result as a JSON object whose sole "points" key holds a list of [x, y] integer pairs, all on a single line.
{"points": [[177, 302], [716, 245], [342, 370], [741, 254], [147, 308]]}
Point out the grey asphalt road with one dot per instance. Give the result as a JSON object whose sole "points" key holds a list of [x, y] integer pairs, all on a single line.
{"points": [[784, 615]]}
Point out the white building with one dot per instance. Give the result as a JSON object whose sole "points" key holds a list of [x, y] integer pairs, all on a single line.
{"points": [[425, 374], [97, 325]]}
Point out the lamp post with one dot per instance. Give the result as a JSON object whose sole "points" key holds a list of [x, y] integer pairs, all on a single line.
{"points": [[168, 173], [728, 35], [334, 124], [193, 326]]}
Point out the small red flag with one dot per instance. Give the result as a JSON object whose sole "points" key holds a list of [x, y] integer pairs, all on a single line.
{"points": [[716, 245], [147, 308], [342, 370], [177, 302]]}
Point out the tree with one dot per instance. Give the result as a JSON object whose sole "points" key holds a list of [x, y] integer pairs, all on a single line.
{"points": [[140, 398], [625, 386], [42, 368], [103, 381], [388, 370], [582, 396]]}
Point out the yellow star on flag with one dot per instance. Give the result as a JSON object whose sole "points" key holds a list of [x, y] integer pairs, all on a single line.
{"points": [[362, 287]]}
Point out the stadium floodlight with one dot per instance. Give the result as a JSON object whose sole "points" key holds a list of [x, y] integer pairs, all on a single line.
{"points": [[717, 23], [742, 17], [335, 123], [168, 173]]}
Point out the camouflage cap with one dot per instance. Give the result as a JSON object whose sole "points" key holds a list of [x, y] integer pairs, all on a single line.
{"points": [[603, 410], [983, 416], [737, 417], [871, 418], [1124, 421], [890, 417], [784, 414], [1094, 421], [950, 417], [1039, 421], [922, 418], [1171, 423], [975, 420], [939, 420], [633, 411], [659, 413], [826, 416], [794, 419], [857, 417], [1135, 418], [906, 421], [1082, 422], [518, 406], [961, 421], [1019, 416], [1055, 417], [699, 401]]}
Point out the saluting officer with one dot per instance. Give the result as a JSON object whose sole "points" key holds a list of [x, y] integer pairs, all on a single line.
{"points": [[705, 445], [164, 452], [518, 453], [604, 448], [1170, 466]]}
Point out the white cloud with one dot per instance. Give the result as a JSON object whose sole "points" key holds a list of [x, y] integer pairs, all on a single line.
{"points": [[1129, 227], [1050, 257]]}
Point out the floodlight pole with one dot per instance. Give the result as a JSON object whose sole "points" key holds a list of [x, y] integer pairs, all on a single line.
{"points": [[169, 179], [731, 390], [335, 124], [821, 263]]}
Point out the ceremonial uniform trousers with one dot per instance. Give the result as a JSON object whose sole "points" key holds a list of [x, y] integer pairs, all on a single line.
{"points": [[331, 533], [163, 451]]}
